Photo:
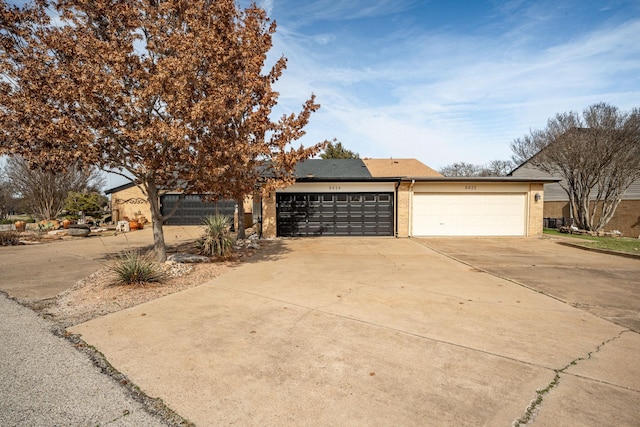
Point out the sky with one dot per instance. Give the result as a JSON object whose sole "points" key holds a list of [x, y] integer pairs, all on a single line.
{"points": [[450, 81]]}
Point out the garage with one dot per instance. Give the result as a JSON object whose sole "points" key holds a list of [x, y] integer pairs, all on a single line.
{"points": [[335, 214], [469, 214], [192, 210]]}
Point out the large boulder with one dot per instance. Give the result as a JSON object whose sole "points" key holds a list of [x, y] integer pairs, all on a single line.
{"points": [[78, 230]]}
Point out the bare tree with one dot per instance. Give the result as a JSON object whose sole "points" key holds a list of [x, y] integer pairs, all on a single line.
{"points": [[6, 197], [44, 193], [498, 168], [150, 89], [597, 155], [460, 169], [493, 168]]}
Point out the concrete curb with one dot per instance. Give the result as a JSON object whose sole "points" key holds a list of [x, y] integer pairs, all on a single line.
{"points": [[602, 251]]}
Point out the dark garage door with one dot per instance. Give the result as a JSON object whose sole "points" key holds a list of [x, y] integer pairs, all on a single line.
{"points": [[192, 210], [335, 214]]}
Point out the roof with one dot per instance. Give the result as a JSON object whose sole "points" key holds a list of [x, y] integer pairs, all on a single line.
{"points": [[120, 188], [332, 168], [398, 168]]}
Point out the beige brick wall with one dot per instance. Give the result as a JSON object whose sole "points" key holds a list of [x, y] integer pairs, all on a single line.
{"points": [[556, 210], [536, 210], [269, 225], [130, 203], [403, 210]]}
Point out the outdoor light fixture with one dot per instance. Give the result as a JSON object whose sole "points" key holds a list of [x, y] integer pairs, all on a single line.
{"points": [[537, 197]]}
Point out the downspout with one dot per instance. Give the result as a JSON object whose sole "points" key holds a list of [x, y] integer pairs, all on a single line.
{"points": [[410, 231]]}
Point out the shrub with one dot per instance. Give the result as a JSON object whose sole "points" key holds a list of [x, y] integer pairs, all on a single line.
{"points": [[132, 267], [7, 221], [9, 238], [216, 240]]}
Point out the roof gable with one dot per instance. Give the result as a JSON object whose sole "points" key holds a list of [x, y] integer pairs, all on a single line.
{"points": [[398, 168]]}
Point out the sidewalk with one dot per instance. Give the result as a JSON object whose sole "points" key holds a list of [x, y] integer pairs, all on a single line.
{"points": [[44, 381]]}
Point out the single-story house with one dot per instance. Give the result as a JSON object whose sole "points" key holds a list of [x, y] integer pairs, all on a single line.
{"points": [[382, 197], [129, 203], [378, 197], [556, 203]]}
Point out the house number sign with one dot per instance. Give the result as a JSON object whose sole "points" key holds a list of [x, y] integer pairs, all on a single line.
{"points": [[470, 187], [334, 187]]}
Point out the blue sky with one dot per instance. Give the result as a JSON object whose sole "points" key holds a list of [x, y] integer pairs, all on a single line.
{"points": [[447, 81]]}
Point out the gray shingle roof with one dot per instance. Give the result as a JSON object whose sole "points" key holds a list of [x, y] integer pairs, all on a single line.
{"points": [[332, 168]]}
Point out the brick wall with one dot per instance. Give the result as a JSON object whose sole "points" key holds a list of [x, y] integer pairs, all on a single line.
{"points": [[403, 210], [536, 210], [130, 203], [269, 225]]}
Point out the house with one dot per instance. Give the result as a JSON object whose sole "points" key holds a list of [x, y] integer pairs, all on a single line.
{"points": [[375, 197], [556, 203], [128, 202]]}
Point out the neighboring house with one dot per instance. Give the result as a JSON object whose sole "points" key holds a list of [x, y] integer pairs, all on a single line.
{"points": [[128, 202], [378, 197], [556, 204]]}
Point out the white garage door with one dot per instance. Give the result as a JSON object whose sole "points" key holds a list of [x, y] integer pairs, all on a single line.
{"points": [[436, 214]]}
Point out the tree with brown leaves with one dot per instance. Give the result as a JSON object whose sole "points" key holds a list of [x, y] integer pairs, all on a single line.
{"points": [[168, 93]]}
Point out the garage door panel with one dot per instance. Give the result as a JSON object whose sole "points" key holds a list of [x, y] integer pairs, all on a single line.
{"points": [[469, 214], [335, 214]]}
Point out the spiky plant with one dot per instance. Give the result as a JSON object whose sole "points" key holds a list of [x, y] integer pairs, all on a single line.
{"points": [[216, 240], [132, 267]]}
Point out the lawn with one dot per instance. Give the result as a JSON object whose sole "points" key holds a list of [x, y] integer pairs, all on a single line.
{"points": [[620, 244]]}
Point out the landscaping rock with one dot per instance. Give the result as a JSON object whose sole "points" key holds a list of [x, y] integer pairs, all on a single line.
{"points": [[78, 230], [7, 227], [187, 258]]}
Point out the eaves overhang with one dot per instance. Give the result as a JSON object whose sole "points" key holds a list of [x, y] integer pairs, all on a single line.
{"points": [[488, 179], [343, 179]]}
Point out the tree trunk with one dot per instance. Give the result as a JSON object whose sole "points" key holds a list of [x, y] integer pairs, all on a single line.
{"points": [[157, 221], [241, 232]]}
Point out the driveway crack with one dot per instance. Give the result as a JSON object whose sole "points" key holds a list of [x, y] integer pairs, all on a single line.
{"points": [[531, 411]]}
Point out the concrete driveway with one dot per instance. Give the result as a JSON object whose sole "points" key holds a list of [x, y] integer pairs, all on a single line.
{"points": [[373, 332], [42, 271], [605, 285]]}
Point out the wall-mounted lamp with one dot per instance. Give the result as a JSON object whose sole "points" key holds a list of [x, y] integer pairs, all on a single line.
{"points": [[537, 197]]}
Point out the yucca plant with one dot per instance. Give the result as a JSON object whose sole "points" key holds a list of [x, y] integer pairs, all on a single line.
{"points": [[216, 240], [132, 267]]}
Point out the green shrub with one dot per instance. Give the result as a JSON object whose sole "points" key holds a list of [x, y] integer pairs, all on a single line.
{"points": [[9, 238], [216, 240], [7, 221], [132, 267]]}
